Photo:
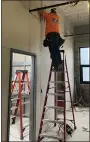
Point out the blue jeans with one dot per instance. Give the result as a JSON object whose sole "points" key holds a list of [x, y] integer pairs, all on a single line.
{"points": [[54, 42]]}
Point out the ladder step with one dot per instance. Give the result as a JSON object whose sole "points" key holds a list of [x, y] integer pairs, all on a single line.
{"points": [[15, 89], [23, 94], [21, 81], [13, 108], [58, 71], [61, 91], [25, 114], [58, 91], [53, 121], [14, 99], [52, 87], [60, 101], [26, 102], [55, 107], [55, 94], [15, 115], [14, 94], [57, 82], [44, 135]]}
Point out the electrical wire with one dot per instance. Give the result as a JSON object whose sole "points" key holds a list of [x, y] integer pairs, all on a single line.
{"points": [[35, 16], [85, 129], [78, 101], [78, 90]]}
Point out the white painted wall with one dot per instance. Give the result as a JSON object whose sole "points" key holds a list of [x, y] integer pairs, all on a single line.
{"points": [[21, 30]]}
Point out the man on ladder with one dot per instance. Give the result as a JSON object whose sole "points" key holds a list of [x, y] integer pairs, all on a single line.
{"points": [[53, 39]]}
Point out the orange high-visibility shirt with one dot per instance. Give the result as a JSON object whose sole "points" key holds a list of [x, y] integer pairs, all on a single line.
{"points": [[52, 22]]}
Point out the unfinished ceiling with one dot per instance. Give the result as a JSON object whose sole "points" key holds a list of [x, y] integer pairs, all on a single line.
{"points": [[77, 15]]}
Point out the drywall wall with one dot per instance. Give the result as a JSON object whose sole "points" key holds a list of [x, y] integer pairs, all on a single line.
{"points": [[81, 41], [19, 32], [23, 31]]}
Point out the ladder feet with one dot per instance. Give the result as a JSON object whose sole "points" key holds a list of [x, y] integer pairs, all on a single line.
{"points": [[21, 137], [13, 121]]}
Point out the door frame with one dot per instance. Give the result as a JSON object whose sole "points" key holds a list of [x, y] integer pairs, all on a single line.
{"points": [[32, 128]]}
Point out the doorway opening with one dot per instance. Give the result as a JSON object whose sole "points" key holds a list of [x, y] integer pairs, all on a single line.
{"points": [[21, 96]]}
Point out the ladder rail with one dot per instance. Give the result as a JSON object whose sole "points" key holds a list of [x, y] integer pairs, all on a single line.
{"points": [[42, 117], [64, 99], [13, 84], [21, 125], [28, 84], [70, 94]]}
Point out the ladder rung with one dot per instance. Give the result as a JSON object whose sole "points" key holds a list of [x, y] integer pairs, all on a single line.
{"points": [[14, 99], [22, 115], [56, 82], [25, 114], [55, 94], [53, 121], [52, 87], [60, 101], [15, 89], [58, 91], [13, 108], [61, 91], [14, 94], [23, 94], [58, 71], [43, 135], [55, 107], [26, 102]]}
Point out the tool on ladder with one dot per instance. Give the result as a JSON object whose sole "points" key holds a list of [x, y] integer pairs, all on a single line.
{"points": [[21, 77], [61, 122]]}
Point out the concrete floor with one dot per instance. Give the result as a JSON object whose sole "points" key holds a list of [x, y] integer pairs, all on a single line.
{"points": [[82, 120], [15, 130]]}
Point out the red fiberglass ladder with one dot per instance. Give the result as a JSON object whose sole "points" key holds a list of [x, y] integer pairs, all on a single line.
{"points": [[61, 122], [21, 77]]}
